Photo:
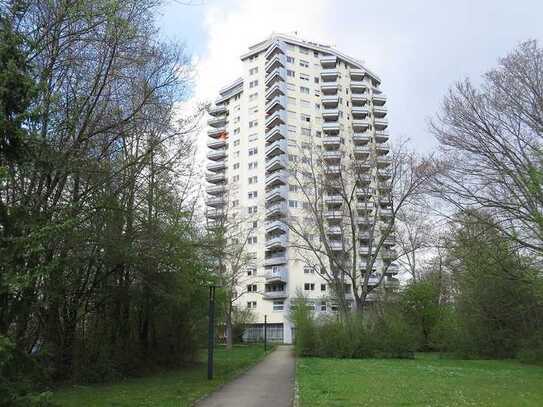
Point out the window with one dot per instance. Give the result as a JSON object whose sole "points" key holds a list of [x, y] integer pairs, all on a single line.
{"points": [[291, 100], [236, 166], [251, 240], [291, 73], [236, 143], [253, 123], [236, 108], [278, 305], [255, 224], [251, 272], [253, 110], [304, 50], [305, 117], [304, 77], [251, 288], [323, 287], [253, 71], [253, 137], [293, 188], [253, 151], [251, 304], [323, 306], [315, 54], [235, 203], [309, 270], [304, 90], [252, 165], [253, 96], [291, 86], [236, 119], [253, 84], [317, 80], [293, 158], [252, 194], [253, 209], [253, 180], [317, 106], [309, 287], [290, 60], [235, 178], [304, 64], [236, 131], [293, 204]]}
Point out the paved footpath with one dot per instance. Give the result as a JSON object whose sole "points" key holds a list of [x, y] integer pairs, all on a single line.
{"points": [[268, 384]]}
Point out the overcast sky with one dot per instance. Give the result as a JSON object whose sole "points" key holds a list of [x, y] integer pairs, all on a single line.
{"points": [[418, 47]]}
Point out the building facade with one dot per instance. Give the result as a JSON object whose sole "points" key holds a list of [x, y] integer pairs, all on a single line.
{"points": [[292, 95]]}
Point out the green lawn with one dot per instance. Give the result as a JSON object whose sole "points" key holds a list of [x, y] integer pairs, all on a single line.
{"points": [[425, 381], [176, 388]]}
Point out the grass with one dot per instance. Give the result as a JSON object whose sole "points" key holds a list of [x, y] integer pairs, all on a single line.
{"points": [[425, 381], [175, 388]]}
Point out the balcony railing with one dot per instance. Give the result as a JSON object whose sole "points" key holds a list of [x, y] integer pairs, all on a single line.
{"points": [[332, 127], [328, 61], [216, 190], [216, 122], [277, 178], [277, 194], [329, 74], [357, 74], [277, 118], [330, 114], [216, 178], [379, 111], [215, 202], [277, 75], [277, 242], [276, 90], [216, 143], [331, 141], [276, 226], [333, 155], [276, 209], [275, 259], [333, 215], [380, 124], [276, 148], [218, 110], [360, 111], [277, 103], [216, 166], [276, 162], [361, 138], [216, 133], [379, 100], [358, 99], [218, 154], [274, 295], [381, 137], [277, 274], [279, 60], [330, 101], [360, 124], [275, 48], [329, 88], [276, 133]]}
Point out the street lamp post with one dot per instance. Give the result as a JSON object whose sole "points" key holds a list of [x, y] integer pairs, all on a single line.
{"points": [[265, 332], [211, 332]]}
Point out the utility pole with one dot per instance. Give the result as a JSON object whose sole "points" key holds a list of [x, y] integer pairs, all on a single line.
{"points": [[265, 332], [211, 332]]}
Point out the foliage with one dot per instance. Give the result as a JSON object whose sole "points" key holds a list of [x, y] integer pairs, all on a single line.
{"points": [[241, 317]]}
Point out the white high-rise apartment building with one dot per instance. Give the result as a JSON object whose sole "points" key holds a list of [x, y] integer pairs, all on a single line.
{"points": [[292, 93]]}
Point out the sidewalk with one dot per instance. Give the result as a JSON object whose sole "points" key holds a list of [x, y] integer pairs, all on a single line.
{"points": [[268, 384]]}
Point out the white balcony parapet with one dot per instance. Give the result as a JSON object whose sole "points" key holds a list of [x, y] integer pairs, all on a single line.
{"points": [[328, 61], [215, 202], [217, 122], [360, 111], [276, 133], [216, 190], [277, 118], [359, 85], [277, 75], [329, 73], [276, 226], [216, 178], [276, 162], [276, 242], [274, 295], [381, 137], [332, 169], [276, 47], [218, 110], [335, 245], [380, 124], [215, 214], [357, 74], [333, 155], [358, 99], [333, 199], [276, 90], [361, 138], [277, 103], [277, 194], [362, 151], [275, 259], [276, 148], [218, 154], [385, 213], [277, 178], [330, 101], [330, 127], [330, 114], [276, 209], [276, 274], [383, 161], [384, 173], [360, 124], [278, 60], [393, 268], [379, 100], [217, 133], [333, 215], [216, 143], [329, 88], [331, 141], [379, 112]]}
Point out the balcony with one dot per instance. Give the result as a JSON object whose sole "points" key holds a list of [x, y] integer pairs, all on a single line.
{"points": [[364, 179], [383, 162], [386, 213], [216, 190], [385, 188], [276, 119], [359, 87], [277, 242], [360, 124], [335, 231], [332, 141], [276, 148], [216, 143], [379, 112], [215, 155], [358, 99], [276, 178], [275, 259], [277, 103], [382, 149], [361, 138], [276, 226], [330, 101], [279, 193], [215, 214], [393, 268], [357, 74], [373, 280], [332, 127], [216, 178], [335, 245], [362, 151], [365, 207], [274, 49], [275, 76], [381, 137], [333, 155], [217, 133], [275, 295], [330, 114], [278, 61], [277, 209], [365, 250], [360, 111], [366, 192], [277, 162], [332, 169], [217, 121], [329, 88], [216, 166], [329, 74], [379, 100], [276, 90], [364, 221], [277, 133], [389, 254], [333, 215], [215, 202], [333, 199], [384, 174], [380, 124], [218, 110], [276, 275], [328, 61], [392, 283]]}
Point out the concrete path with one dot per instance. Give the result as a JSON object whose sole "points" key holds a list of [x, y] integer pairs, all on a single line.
{"points": [[268, 384]]}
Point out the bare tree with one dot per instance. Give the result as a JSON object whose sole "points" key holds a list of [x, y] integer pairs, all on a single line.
{"points": [[491, 141], [350, 206]]}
